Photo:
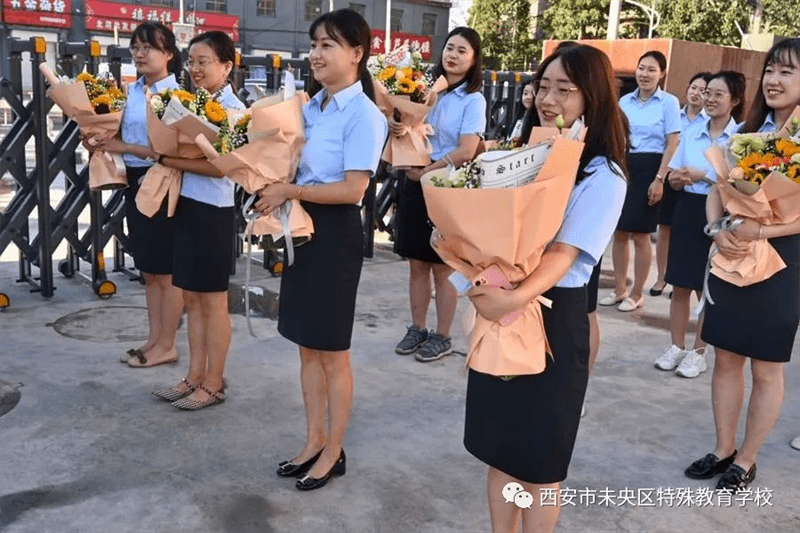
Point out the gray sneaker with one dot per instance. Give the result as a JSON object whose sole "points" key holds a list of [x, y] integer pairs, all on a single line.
{"points": [[413, 339], [436, 347]]}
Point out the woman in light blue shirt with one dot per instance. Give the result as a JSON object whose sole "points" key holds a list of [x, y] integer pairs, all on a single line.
{"points": [[345, 133], [758, 322], [458, 119], [157, 59], [692, 175], [204, 240], [654, 118], [533, 445], [692, 115]]}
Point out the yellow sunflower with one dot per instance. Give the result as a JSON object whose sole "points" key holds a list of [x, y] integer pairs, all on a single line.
{"points": [[408, 71], [214, 112], [787, 148], [386, 73], [115, 93], [103, 99], [183, 96], [406, 86], [85, 77]]}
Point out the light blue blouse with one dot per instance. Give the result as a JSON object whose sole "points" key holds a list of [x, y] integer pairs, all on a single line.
{"points": [[133, 129], [691, 153], [769, 125], [206, 189], [591, 217], [454, 114], [347, 135], [700, 118], [652, 120]]}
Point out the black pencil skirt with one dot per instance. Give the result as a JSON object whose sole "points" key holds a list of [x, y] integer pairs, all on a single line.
{"points": [[318, 292], [151, 238], [412, 238], [637, 216], [688, 244], [526, 426], [667, 204], [593, 287], [758, 321], [204, 241]]}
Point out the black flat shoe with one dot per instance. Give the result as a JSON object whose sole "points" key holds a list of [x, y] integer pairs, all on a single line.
{"points": [[306, 482], [709, 466], [657, 292], [289, 469], [735, 478]]}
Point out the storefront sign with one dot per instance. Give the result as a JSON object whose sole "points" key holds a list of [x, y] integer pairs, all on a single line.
{"points": [[416, 43], [51, 13], [105, 16]]}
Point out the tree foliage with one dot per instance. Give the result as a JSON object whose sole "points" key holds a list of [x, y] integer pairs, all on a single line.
{"points": [[504, 27], [708, 21], [781, 17]]}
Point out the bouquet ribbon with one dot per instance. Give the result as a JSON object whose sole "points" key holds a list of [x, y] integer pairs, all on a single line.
{"points": [[159, 182]]}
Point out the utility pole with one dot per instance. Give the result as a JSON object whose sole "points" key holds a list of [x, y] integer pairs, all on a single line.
{"points": [[613, 19]]}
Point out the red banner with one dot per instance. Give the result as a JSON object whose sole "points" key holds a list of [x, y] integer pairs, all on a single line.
{"points": [[417, 43], [51, 13], [104, 16]]}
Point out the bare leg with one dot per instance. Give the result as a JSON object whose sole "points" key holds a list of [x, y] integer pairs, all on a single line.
{"points": [[196, 333], [594, 339], [541, 518], [662, 252], [727, 396], [763, 410], [168, 315], [698, 342], [620, 255], [216, 338], [679, 315], [152, 298], [312, 378], [643, 257], [446, 299], [419, 287], [505, 517], [339, 380]]}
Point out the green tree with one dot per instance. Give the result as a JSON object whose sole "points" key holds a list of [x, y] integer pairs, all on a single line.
{"points": [[504, 27], [781, 17], [576, 19], [708, 21]]}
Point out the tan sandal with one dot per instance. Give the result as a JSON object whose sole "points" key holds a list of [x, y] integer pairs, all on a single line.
{"points": [[138, 360]]}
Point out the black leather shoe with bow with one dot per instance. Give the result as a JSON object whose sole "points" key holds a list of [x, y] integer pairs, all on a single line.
{"points": [[306, 482], [289, 469], [709, 466]]}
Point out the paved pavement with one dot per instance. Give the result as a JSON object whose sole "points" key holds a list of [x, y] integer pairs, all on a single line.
{"points": [[88, 449]]}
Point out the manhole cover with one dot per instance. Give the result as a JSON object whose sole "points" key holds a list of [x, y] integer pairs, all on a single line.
{"points": [[105, 324]]}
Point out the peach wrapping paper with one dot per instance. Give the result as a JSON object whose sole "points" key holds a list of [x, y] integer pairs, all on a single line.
{"points": [[106, 171], [412, 149], [776, 201], [171, 140], [271, 156], [510, 228]]}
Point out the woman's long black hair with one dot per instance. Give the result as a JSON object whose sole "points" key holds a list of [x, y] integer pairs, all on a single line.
{"points": [[161, 38], [474, 76], [786, 53], [346, 25]]}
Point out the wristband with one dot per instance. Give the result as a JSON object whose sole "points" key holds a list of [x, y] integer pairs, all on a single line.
{"points": [[761, 231], [300, 192], [660, 178]]}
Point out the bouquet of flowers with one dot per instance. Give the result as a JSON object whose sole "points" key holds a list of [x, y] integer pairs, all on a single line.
{"points": [[95, 104], [174, 120], [759, 178], [516, 219], [405, 93], [261, 148]]}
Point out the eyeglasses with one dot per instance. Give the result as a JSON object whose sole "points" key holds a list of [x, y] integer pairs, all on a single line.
{"points": [[716, 95], [141, 49], [560, 91], [201, 65]]}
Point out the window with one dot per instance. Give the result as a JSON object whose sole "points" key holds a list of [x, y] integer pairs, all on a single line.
{"points": [[429, 24], [397, 20], [265, 8], [164, 3], [361, 9], [220, 6], [313, 9]]}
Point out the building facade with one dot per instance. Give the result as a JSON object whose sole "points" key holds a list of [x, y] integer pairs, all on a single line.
{"points": [[257, 26]]}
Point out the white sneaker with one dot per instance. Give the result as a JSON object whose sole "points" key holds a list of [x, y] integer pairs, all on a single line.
{"points": [[671, 358], [795, 443], [612, 299], [693, 364]]}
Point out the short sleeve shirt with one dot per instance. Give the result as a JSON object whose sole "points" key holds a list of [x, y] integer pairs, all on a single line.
{"points": [[691, 153], [454, 114], [591, 217], [686, 122], [651, 121], [133, 128], [207, 189], [348, 134]]}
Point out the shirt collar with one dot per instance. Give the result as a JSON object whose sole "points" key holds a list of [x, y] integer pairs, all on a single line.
{"points": [[730, 128], [658, 95], [342, 98], [769, 122], [158, 86], [702, 113]]}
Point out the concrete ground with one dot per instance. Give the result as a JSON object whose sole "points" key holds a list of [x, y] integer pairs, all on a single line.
{"points": [[88, 449]]}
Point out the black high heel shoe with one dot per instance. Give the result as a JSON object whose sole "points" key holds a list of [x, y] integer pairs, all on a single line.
{"points": [[289, 469], [306, 482]]}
